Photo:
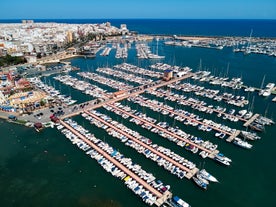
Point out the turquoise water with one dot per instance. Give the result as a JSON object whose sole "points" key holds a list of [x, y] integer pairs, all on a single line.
{"points": [[45, 169]]}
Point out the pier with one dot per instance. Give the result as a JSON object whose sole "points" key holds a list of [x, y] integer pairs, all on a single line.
{"points": [[211, 154], [89, 105], [234, 135], [190, 173], [250, 121], [182, 101], [161, 198]]}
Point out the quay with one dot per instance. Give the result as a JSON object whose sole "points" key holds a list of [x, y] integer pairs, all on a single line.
{"points": [[253, 118], [161, 197], [56, 58], [211, 154], [190, 173]]}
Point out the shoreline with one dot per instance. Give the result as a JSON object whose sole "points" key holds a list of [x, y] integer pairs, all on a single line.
{"points": [[203, 37]]}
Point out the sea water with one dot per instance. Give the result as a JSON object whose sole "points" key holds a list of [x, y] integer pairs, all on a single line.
{"points": [[45, 169]]}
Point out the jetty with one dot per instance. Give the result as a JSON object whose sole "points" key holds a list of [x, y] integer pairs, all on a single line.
{"points": [[211, 154], [186, 117], [161, 198], [251, 120], [89, 105], [201, 106], [233, 136], [190, 172]]}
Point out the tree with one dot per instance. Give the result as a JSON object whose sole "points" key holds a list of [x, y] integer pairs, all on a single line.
{"points": [[42, 102]]}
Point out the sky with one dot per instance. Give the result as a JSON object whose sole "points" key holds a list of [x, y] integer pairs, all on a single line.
{"points": [[121, 9]]}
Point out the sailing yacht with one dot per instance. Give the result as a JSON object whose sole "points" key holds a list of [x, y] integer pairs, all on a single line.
{"points": [[207, 176], [200, 183]]}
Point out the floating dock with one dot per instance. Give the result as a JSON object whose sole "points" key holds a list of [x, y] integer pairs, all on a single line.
{"points": [[189, 118], [233, 136], [161, 198], [199, 105], [89, 105], [211, 154], [190, 173], [251, 120]]}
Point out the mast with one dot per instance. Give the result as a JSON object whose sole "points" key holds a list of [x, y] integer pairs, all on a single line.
{"points": [[157, 39], [227, 69], [200, 65], [249, 43], [262, 85]]}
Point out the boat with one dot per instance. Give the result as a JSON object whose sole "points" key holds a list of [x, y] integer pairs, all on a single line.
{"points": [[248, 115], [200, 183], [257, 127], [270, 86], [237, 141], [242, 112], [250, 135], [198, 175], [207, 176], [222, 159], [179, 202], [88, 52], [266, 93]]}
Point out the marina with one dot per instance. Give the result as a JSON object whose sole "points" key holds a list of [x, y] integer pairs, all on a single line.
{"points": [[242, 115], [125, 76], [143, 52], [169, 160], [121, 52], [182, 139], [211, 153], [109, 159], [136, 70], [152, 120], [106, 51], [106, 81], [188, 118], [82, 86], [243, 45], [229, 98], [190, 147], [128, 82]]}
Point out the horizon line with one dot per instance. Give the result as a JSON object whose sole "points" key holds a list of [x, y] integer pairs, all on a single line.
{"points": [[136, 19]]}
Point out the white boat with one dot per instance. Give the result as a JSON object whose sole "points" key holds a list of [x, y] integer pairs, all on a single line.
{"points": [[241, 143], [180, 202], [266, 93], [222, 159], [270, 86], [248, 115], [202, 179], [207, 176], [242, 112]]}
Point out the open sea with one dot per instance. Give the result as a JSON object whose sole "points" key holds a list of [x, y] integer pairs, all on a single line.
{"points": [[45, 169]]}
